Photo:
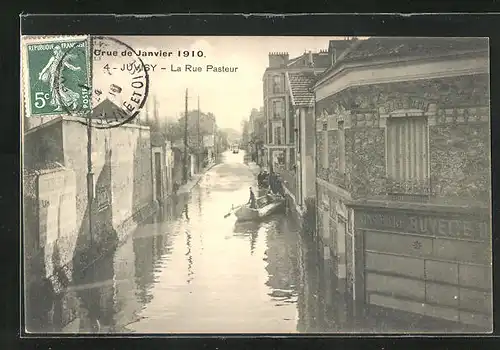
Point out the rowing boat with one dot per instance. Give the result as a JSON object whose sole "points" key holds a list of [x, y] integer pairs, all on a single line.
{"points": [[245, 213]]}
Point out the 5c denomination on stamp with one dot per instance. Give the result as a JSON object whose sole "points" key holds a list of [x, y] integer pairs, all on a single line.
{"points": [[56, 82]]}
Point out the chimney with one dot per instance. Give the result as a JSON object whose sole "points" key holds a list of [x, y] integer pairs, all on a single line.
{"points": [[310, 60], [332, 51], [333, 55], [278, 59]]}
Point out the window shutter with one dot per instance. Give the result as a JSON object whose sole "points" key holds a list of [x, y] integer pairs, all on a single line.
{"points": [[407, 154]]}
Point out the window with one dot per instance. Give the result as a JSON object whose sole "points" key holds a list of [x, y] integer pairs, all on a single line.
{"points": [[324, 155], [341, 140], [292, 126], [277, 135], [276, 84], [291, 162], [277, 109], [407, 156], [270, 136]]}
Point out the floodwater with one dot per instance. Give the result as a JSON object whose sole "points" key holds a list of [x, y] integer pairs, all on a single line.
{"points": [[193, 269]]}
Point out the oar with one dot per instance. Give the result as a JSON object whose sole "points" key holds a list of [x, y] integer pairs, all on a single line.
{"points": [[232, 209]]}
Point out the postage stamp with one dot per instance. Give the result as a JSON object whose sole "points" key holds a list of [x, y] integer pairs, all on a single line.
{"points": [[54, 81]]}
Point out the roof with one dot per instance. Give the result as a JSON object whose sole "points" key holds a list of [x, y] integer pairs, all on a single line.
{"points": [[300, 84], [385, 47], [320, 60], [158, 139]]}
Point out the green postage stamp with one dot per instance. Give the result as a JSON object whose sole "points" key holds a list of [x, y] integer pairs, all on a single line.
{"points": [[57, 76]]}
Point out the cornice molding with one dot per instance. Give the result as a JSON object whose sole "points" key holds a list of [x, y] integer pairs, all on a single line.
{"points": [[396, 72]]}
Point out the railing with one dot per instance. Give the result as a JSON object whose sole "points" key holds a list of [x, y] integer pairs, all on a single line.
{"points": [[416, 189]]}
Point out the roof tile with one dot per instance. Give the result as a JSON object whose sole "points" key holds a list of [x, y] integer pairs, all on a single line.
{"points": [[300, 84]]}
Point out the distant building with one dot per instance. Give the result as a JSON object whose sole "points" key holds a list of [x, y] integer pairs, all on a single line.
{"points": [[403, 177], [257, 130]]}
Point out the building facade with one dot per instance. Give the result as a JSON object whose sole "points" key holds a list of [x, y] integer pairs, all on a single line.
{"points": [[257, 130], [403, 177], [287, 104]]}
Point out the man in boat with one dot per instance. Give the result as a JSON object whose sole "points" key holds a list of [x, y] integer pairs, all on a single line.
{"points": [[251, 201]]}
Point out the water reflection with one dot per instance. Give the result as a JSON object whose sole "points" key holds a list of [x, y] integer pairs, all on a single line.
{"points": [[95, 289], [248, 229], [190, 269]]}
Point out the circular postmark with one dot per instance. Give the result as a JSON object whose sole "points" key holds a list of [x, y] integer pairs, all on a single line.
{"points": [[115, 90]]}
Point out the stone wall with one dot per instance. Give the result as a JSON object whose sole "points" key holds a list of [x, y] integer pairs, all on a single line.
{"points": [[426, 273], [458, 135], [57, 231], [460, 162], [49, 236], [365, 161], [121, 160], [43, 145]]}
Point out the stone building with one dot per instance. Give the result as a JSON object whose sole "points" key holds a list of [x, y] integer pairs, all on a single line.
{"points": [[282, 110], [403, 177]]}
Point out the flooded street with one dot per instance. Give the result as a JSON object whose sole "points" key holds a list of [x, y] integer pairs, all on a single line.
{"points": [[192, 269]]}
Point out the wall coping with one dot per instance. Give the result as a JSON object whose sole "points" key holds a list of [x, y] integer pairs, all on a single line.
{"points": [[77, 119]]}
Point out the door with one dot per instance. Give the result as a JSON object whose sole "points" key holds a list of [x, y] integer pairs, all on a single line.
{"points": [[158, 179]]}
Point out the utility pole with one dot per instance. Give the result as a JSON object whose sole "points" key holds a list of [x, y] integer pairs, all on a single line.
{"points": [[155, 115], [186, 138], [199, 142]]}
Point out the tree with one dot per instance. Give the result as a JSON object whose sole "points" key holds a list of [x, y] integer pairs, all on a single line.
{"points": [[174, 131], [245, 133]]}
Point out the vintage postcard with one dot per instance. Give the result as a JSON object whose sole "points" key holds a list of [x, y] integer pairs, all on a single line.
{"points": [[183, 184]]}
